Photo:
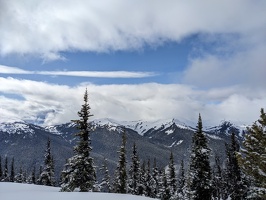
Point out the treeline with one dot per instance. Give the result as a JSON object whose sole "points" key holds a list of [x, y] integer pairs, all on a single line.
{"points": [[241, 176]]}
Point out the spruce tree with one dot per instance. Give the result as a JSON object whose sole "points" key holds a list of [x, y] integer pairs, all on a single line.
{"points": [[155, 177], [12, 173], [1, 171], [134, 173], [47, 176], [235, 181], [199, 183], [20, 176], [6, 175], [253, 159], [121, 171], [171, 176], [181, 182], [148, 181], [218, 181], [105, 184], [79, 173]]}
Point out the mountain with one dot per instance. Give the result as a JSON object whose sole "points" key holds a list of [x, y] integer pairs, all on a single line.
{"points": [[27, 142]]}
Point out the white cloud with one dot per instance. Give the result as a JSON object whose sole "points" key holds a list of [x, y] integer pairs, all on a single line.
{"points": [[97, 74], [59, 103], [47, 27]]}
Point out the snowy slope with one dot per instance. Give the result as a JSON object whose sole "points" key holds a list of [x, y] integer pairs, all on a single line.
{"points": [[15, 191], [139, 126]]}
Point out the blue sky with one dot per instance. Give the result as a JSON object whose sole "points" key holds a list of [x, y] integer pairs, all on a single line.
{"points": [[139, 60]]}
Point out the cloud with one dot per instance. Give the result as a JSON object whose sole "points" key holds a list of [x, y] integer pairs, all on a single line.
{"points": [[96, 74], [45, 28], [54, 104]]}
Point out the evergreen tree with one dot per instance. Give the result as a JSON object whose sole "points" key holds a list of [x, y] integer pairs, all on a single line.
{"points": [[121, 171], [79, 173], [20, 176], [38, 182], [148, 181], [134, 173], [165, 189], [253, 160], [47, 176], [105, 184], [1, 171], [31, 178], [142, 184], [171, 176], [12, 173], [181, 182], [217, 180], [199, 183], [236, 186], [155, 177], [6, 175]]}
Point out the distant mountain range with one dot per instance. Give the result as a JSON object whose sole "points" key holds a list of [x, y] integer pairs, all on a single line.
{"points": [[27, 142]]}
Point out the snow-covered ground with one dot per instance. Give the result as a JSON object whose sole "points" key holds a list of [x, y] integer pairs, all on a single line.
{"points": [[15, 191]]}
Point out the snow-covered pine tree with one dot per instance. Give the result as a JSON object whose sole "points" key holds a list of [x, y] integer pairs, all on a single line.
{"points": [[181, 187], [1, 171], [47, 176], [105, 184], [6, 175], [155, 177], [120, 185], [134, 173], [79, 173], [199, 181], [148, 181], [253, 159], [165, 189], [20, 176], [217, 180], [235, 180], [171, 175], [31, 178], [12, 173], [142, 184]]}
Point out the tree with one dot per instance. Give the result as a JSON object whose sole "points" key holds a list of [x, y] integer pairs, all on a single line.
{"points": [[120, 185], [12, 173], [181, 181], [105, 184], [171, 176], [19, 178], [155, 178], [134, 173], [1, 171], [47, 176], [218, 181], [6, 175], [253, 159], [235, 182], [199, 182], [79, 173]]}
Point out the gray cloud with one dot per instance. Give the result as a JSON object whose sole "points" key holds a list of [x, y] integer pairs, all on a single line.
{"points": [[60, 103], [46, 27]]}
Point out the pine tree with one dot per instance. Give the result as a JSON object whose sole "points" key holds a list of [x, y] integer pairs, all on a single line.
{"points": [[155, 177], [12, 173], [199, 183], [79, 173], [20, 176], [142, 184], [6, 175], [47, 176], [236, 184], [165, 189], [134, 173], [121, 171], [181, 182], [105, 184], [217, 180], [1, 171], [148, 181], [171, 176], [253, 159]]}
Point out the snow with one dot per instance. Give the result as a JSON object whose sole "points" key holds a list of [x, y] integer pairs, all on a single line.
{"points": [[168, 132], [15, 191], [18, 127]]}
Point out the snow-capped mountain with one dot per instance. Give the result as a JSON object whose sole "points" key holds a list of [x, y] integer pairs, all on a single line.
{"points": [[27, 142]]}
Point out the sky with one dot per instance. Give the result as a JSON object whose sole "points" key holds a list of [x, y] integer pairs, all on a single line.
{"points": [[139, 60]]}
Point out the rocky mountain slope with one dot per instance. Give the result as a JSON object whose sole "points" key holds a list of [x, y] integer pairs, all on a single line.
{"points": [[27, 142]]}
